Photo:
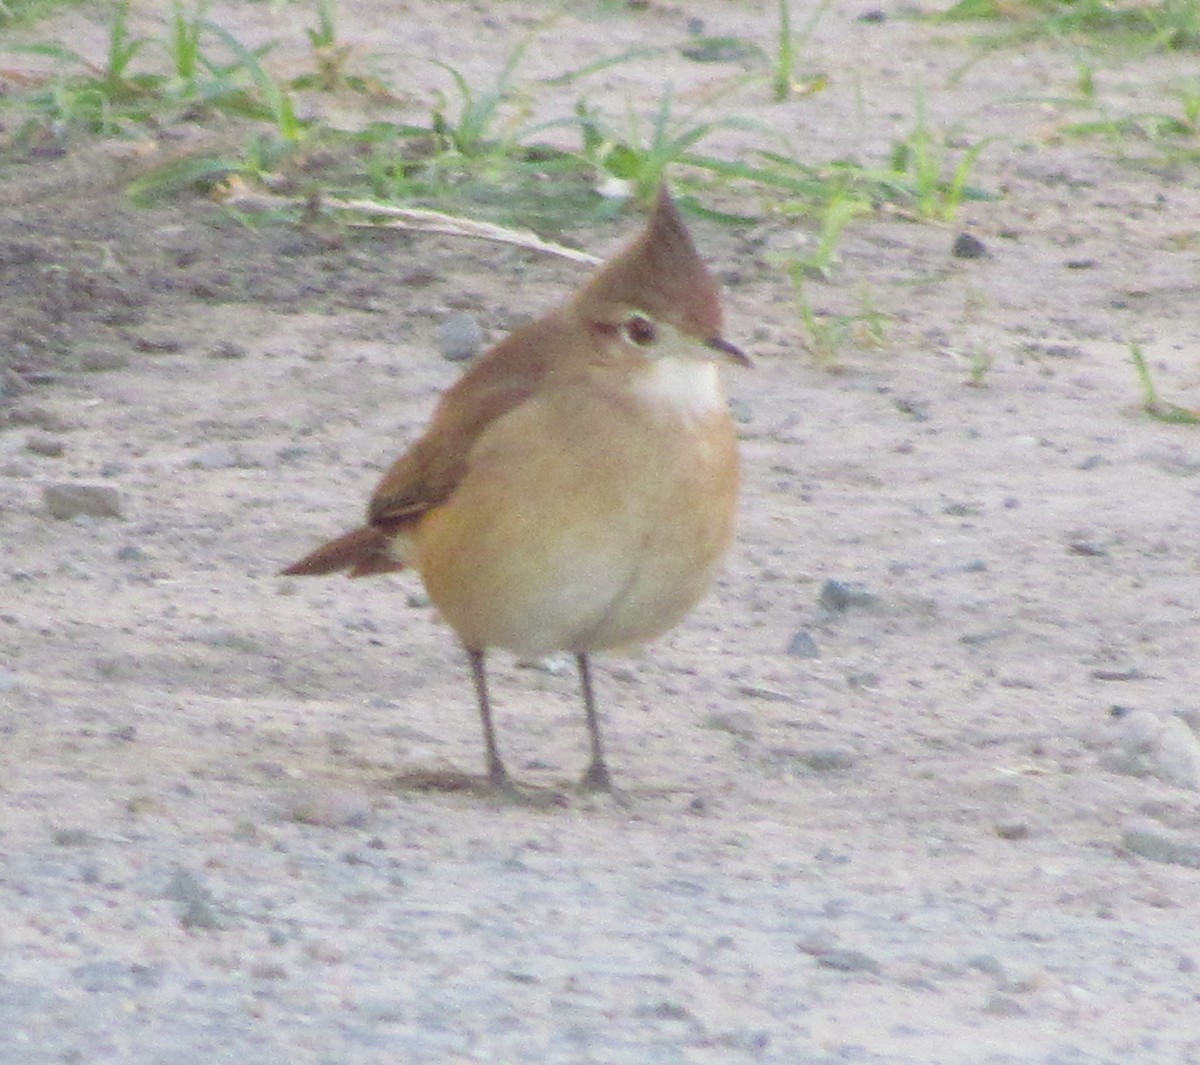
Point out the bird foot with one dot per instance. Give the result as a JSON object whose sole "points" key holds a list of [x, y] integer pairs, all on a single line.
{"points": [[596, 778], [597, 781]]}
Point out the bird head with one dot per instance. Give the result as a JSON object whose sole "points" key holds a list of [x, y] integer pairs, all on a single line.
{"points": [[657, 295]]}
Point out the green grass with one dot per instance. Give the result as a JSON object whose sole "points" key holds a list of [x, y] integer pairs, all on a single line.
{"points": [[939, 182], [25, 12], [1156, 24], [1151, 403], [471, 149], [826, 336], [642, 157], [788, 46]]}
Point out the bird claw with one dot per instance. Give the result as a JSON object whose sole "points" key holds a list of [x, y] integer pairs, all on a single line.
{"points": [[597, 781]]}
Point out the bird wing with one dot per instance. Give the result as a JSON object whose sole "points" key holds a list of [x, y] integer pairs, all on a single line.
{"points": [[427, 474]]}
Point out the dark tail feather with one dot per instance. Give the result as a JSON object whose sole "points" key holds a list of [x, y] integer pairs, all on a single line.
{"points": [[362, 552]]}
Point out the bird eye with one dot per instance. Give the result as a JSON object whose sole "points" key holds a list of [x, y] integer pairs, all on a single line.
{"points": [[639, 330]]}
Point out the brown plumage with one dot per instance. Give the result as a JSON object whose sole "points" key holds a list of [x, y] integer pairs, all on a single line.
{"points": [[576, 487]]}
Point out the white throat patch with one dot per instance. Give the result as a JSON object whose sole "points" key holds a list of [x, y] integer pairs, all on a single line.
{"points": [[688, 386]]}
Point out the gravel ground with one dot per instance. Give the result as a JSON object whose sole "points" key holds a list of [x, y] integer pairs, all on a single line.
{"points": [[919, 783]]}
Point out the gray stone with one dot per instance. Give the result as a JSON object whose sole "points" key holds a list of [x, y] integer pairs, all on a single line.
{"points": [[969, 246], [102, 360], [987, 963], [1162, 745], [459, 337], [199, 914], [802, 645], [847, 961], [328, 807], [216, 457], [740, 723], [45, 444], [66, 500], [826, 759], [1003, 1006], [817, 941], [1151, 841], [839, 596], [1138, 731], [227, 349], [185, 886], [196, 909], [104, 975], [1177, 754]]}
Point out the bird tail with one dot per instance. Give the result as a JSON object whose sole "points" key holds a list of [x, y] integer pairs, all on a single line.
{"points": [[362, 553]]}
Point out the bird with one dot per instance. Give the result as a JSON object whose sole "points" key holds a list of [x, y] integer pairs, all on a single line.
{"points": [[576, 488]]}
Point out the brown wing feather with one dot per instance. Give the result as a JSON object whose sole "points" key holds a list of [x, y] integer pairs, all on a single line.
{"points": [[427, 474]]}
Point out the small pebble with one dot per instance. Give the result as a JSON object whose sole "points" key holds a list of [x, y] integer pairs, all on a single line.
{"points": [[741, 412], [199, 914], [44, 444], [227, 349], [987, 963], [740, 723], [102, 360], [847, 961], [155, 343], [16, 469], [1177, 754], [1151, 841], [557, 665], [11, 384], [104, 975], [1137, 730], [1003, 1006], [770, 695], [802, 645], [826, 759], [968, 246], [230, 639], [67, 500], [328, 807], [196, 909], [184, 886], [819, 941], [459, 337], [839, 596], [39, 417], [216, 457]]}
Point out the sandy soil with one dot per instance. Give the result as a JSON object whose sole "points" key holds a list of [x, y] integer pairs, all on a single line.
{"points": [[944, 809]]}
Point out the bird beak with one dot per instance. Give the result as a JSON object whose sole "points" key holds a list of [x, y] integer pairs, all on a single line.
{"points": [[730, 351]]}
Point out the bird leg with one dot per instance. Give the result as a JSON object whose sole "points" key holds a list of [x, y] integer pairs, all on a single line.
{"points": [[498, 777], [596, 778]]}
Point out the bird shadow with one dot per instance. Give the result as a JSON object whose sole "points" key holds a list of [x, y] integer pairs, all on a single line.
{"points": [[558, 796]]}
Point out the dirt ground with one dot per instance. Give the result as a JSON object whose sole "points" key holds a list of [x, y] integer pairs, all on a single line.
{"points": [[918, 783]]}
